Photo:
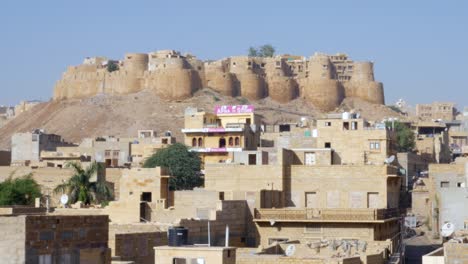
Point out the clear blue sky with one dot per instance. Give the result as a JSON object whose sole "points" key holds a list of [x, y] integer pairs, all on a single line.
{"points": [[420, 48]]}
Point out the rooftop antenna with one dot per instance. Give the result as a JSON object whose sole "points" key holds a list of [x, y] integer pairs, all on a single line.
{"points": [[447, 229], [390, 159], [64, 200], [290, 250]]}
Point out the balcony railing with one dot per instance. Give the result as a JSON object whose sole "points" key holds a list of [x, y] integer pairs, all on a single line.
{"points": [[351, 214]]}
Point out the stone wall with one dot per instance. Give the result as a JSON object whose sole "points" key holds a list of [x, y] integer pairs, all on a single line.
{"points": [[80, 238], [13, 244], [172, 76], [136, 242]]}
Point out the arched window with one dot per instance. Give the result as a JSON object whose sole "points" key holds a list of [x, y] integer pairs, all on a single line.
{"points": [[200, 142], [194, 142], [231, 141], [237, 141], [222, 142]]}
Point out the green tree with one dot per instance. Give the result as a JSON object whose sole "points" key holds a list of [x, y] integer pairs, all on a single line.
{"points": [[267, 50], [184, 166], [405, 136], [80, 187], [112, 66], [19, 191], [253, 52]]}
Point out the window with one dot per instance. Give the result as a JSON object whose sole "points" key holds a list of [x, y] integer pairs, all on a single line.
{"points": [[374, 145], [107, 153], [46, 235], [179, 261], [45, 259], [115, 153], [284, 128], [314, 228], [354, 125], [310, 158], [221, 196], [222, 143], [345, 125], [460, 184], [327, 124], [200, 142], [146, 197], [237, 141], [194, 142], [444, 184], [164, 141], [252, 159], [67, 235], [327, 145], [231, 141]]}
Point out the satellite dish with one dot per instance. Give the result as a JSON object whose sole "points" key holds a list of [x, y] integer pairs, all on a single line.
{"points": [[64, 199], [447, 229], [390, 159], [290, 250]]}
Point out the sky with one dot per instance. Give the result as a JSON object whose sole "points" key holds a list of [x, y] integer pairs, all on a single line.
{"points": [[419, 47]]}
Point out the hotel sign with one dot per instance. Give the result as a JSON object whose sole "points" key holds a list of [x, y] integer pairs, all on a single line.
{"points": [[234, 109]]}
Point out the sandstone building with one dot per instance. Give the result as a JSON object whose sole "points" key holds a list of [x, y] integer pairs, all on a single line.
{"points": [[436, 110], [31, 237], [322, 79], [27, 147], [216, 137]]}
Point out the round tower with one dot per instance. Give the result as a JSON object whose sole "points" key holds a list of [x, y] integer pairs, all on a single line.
{"points": [[320, 87], [363, 84], [320, 67], [363, 71], [324, 94], [251, 86], [171, 84], [136, 62], [281, 88]]}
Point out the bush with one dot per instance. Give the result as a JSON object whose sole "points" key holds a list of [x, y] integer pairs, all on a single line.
{"points": [[405, 136], [184, 166], [19, 191], [112, 66]]}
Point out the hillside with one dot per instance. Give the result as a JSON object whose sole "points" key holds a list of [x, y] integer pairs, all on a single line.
{"points": [[122, 116]]}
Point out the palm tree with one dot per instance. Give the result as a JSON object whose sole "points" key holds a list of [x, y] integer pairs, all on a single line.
{"points": [[80, 188]]}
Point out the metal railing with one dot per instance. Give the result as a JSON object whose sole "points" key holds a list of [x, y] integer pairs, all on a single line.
{"points": [[357, 214]]}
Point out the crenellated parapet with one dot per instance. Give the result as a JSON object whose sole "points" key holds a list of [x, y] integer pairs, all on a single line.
{"points": [[323, 80]]}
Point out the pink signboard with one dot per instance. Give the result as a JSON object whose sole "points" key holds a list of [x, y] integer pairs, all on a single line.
{"points": [[219, 129], [234, 109]]}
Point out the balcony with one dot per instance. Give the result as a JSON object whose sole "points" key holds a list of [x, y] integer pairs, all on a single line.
{"points": [[325, 214], [60, 155]]}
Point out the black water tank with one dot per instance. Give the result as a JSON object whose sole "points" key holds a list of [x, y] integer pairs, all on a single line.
{"points": [[177, 236]]}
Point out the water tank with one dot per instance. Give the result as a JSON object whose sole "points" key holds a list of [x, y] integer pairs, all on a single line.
{"points": [[346, 115], [177, 236]]}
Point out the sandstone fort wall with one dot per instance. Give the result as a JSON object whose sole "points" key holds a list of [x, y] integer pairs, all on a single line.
{"points": [[173, 76]]}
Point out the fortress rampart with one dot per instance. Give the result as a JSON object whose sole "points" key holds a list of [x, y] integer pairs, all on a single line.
{"points": [[323, 80]]}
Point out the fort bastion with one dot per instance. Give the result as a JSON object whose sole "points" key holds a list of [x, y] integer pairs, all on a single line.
{"points": [[323, 80]]}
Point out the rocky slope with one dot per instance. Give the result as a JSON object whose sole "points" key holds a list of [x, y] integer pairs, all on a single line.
{"points": [[122, 116]]}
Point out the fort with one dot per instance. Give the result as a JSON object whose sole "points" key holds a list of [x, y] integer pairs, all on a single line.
{"points": [[323, 80]]}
